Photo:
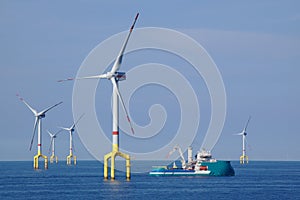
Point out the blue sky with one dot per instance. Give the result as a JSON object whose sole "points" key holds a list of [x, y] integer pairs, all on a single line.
{"points": [[255, 44]]}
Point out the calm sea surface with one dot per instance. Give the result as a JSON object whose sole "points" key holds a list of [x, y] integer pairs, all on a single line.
{"points": [[257, 180]]}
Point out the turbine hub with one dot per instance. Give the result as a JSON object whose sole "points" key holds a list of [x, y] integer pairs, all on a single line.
{"points": [[109, 75]]}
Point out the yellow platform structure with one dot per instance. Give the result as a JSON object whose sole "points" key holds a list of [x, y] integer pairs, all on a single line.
{"points": [[244, 159], [69, 159], [53, 158], [112, 156], [36, 160]]}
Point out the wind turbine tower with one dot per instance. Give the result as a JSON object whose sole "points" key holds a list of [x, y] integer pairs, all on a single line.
{"points": [[244, 158], [52, 146], [115, 76], [71, 131], [38, 124]]}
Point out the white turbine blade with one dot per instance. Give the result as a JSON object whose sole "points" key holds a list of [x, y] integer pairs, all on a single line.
{"points": [[58, 132], [68, 79], [73, 126], [86, 77], [52, 138], [93, 77], [247, 123], [31, 109], [47, 109], [63, 128], [113, 80], [118, 61], [239, 133], [51, 135], [34, 128]]}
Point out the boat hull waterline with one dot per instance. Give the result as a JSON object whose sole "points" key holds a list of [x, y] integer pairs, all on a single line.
{"points": [[217, 168]]}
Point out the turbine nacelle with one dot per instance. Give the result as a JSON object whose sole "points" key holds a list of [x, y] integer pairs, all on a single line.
{"points": [[42, 116], [120, 76]]}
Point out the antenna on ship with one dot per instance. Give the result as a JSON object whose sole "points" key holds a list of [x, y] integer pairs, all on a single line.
{"points": [[244, 158]]}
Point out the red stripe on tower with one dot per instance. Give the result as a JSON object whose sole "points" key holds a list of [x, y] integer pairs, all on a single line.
{"points": [[115, 132], [39, 145]]}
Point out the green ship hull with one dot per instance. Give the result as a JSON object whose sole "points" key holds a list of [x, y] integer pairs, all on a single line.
{"points": [[216, 168]]}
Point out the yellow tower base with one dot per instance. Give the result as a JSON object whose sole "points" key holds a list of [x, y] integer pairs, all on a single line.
{"points": [[52, 158], [243, 159], [69, 159], [36, 161], [112, 155]]}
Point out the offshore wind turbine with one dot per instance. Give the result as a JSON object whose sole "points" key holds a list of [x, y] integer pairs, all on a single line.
{"points": [[52, 146], [244, 158], [38, 125], [115, 76], [71, 130]]}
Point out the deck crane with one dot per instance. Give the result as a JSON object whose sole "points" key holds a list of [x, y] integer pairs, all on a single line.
{"points": [[177, 148]]}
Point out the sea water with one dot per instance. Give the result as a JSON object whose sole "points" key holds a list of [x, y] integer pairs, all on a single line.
{"points": [[256, 180]]}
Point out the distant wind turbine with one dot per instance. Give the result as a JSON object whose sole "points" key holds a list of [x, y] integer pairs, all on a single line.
{"points": [[244, 158], [52, 146], [71, 130], [38, 125]]}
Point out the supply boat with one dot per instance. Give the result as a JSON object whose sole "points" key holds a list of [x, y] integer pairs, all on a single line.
{"points": [[203, 165]]}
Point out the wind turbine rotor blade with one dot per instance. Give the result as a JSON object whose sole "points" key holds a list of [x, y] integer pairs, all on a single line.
{"points": [[247, 123], [68, 79], [118, 61], [73, 126], [86, 77], [63, 128], [51, 135], [93, 77], [58, 132], [113, 80], [52, 138], [47, 109], [34, 128], [31, 109], [238, 134]]}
